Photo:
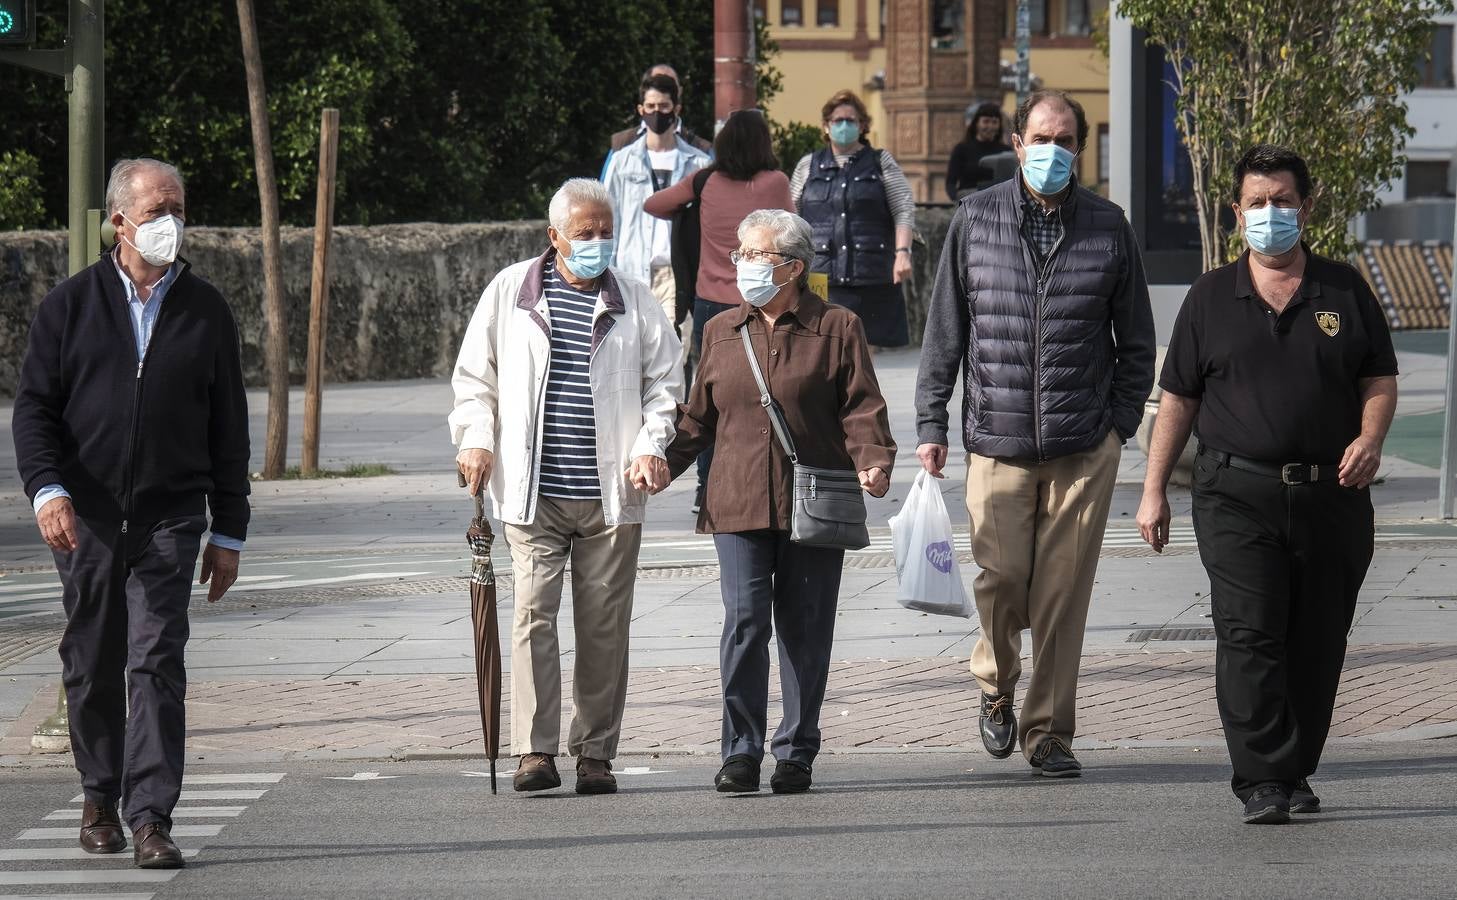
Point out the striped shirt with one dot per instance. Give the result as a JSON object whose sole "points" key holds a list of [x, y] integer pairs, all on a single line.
{"points": [[898, 194], [569, 432]]}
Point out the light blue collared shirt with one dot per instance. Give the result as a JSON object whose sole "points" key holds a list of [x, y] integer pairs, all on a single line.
{"points": [[143, 314]]}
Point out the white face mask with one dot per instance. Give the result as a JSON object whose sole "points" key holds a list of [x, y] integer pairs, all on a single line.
{"points": [[756, 281], [158, 240]]}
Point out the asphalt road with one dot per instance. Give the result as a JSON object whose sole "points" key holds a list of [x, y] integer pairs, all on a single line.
{"points": [[1147, 823]]}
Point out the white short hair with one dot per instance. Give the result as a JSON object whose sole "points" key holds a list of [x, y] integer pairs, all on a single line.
{"points": [[119, 187], [576, 192], [792, 235]]}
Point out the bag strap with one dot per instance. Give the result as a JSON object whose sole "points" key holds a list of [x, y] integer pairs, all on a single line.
{"points": [[776, 416], [700, 179]]}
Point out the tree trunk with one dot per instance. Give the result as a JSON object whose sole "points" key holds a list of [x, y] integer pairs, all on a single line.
{"points": [[276, 314]]}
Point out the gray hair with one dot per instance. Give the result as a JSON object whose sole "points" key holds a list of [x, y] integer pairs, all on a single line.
{"points": [[792, 235], [577, 192], [119, 192]]}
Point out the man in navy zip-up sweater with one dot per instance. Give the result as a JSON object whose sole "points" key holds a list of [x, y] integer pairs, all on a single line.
{"points": [[131, 423]]}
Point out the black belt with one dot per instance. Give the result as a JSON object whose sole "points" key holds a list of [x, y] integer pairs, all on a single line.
{"points": [[1289, 473]]}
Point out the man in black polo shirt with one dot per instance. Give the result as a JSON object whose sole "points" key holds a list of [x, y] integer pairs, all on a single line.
{"points": [[1283, 364]]}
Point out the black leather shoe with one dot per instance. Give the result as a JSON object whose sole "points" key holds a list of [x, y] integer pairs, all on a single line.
{"points": [[790, 777], [1053, 759], [101, 829], [1268, 805], [1303, 800], [998, 725], [154, 848], [739, 775], [537, 772]]}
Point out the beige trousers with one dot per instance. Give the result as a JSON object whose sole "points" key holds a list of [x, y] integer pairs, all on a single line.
{"points": [[604, 565], [665, 289], [1036, 531]]}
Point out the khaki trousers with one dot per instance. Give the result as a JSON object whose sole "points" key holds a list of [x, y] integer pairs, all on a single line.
{"points": [[1036, 531], [665, 289], [604, 565]]}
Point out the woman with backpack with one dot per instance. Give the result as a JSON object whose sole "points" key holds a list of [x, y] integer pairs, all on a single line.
{"points": [[862, 211], [744, 176]]}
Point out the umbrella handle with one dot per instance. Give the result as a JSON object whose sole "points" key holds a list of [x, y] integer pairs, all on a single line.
{"points": [[480, 497]]}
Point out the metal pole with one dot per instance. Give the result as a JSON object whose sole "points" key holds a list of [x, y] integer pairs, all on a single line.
{"points": [[1024, 53], [1447, 491], [733, 67], [87, 123]]}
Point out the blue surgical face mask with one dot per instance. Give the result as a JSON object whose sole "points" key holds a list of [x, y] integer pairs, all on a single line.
{"points": [[756, 282], [591, 258], [844, 133], [1047, 168], [1272, 230]]}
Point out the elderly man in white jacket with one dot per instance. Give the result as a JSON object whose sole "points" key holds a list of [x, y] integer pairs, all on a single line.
{"points": [[565, 393]]}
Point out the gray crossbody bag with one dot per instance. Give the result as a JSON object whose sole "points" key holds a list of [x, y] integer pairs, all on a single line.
{"points": [[829, 506]]}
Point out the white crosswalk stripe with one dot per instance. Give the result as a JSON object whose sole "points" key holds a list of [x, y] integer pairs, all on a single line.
{"points": [[204, 795], [77, 896], [49, 834], [181, 812], [90, 876], [28, 854], [241, 778]]}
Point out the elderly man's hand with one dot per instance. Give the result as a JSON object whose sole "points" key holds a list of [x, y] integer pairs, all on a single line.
{"points": [[933, 458], [1360, 463], [220, 567], [874, 481], [649, 473], [57, 521], [475, 465]]}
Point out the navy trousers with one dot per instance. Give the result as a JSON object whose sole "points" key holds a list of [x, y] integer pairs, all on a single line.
{"points": [[772, 585], [126, 599], [1285, 565]]}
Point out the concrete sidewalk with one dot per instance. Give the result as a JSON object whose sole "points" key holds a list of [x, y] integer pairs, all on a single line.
{"points": [[322, 662]]}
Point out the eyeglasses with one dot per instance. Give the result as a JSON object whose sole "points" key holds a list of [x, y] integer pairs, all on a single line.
{"points": [[738, 256]]}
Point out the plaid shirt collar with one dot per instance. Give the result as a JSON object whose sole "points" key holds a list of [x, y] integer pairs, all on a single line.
{"points": [[1041, 226]]}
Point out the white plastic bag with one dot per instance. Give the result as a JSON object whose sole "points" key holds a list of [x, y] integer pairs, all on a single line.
{"points": [[925, 553]]}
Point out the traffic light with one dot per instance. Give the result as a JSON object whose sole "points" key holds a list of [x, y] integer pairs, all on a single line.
{"points": [[17, 22]]}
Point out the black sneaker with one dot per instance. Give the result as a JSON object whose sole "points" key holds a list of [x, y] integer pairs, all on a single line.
{"points": [[1268, 805], [1303, 800], [739, 775], [790, 777], [1053, 759], [698, 500], [998, 725]]}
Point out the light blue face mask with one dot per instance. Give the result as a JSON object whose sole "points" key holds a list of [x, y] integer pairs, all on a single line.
{"points": [[1272, 230], [844, 133], [756, 282], [591, 258], [1048, 168]]}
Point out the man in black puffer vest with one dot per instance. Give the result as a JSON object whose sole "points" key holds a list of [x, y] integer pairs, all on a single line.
{"points": [[131, 423], [1040, 299]]}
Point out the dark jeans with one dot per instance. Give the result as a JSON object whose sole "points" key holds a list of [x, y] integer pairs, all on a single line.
{"points": [[1285, 564], [126, 599], [703, 310], [773, 586]]}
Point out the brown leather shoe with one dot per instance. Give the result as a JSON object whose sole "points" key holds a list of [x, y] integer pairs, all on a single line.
{"points": [[154, 848], [537, 772], [594, 776], [101, 829]]}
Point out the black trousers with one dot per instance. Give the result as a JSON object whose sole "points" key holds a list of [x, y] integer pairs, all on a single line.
{"points": [[126, 599], [770, 585], [1285, 564]]}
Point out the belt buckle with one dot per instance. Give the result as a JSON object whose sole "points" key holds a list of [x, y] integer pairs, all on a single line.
{"points": [[1288, 468]]}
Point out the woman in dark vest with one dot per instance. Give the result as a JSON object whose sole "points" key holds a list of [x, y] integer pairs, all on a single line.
{"points": [[859, 204]]}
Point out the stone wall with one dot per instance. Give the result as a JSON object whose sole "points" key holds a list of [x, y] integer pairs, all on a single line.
{"points": [[400, 295]]}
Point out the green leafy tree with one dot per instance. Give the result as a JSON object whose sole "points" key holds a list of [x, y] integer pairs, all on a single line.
{"points": [[1323, 77], [20, 203], [452, 110]]}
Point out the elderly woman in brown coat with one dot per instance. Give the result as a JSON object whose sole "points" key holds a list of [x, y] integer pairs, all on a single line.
{"points": [[817, 365]]}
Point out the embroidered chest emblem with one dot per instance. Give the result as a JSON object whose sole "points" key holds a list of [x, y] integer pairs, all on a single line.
{"points": [[1329, 322]]}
